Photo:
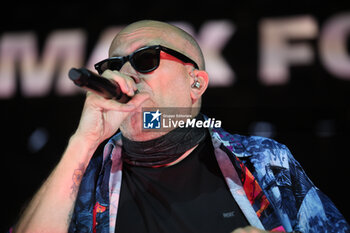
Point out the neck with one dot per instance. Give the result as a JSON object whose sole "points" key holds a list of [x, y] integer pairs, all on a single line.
{"points": [[179, 159]]}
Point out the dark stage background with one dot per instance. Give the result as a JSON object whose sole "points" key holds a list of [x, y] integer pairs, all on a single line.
{"points": [[306, 107]]}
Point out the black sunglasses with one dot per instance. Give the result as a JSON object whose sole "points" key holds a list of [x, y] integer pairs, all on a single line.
{"points": [[143, 60]]}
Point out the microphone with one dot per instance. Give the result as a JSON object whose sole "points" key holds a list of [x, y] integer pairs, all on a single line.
{"points": [[91, 81]]}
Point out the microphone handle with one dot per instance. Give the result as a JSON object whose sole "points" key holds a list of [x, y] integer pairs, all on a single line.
{"points": [[91, 81]]}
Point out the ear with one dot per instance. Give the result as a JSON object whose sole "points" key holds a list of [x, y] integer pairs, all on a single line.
{"points": [[199, 83]]}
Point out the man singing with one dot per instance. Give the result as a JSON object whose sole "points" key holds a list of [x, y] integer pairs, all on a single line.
{"points": [[188, 179]]}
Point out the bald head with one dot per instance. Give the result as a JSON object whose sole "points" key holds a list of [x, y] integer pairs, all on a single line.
{"points": [[163, 34]]}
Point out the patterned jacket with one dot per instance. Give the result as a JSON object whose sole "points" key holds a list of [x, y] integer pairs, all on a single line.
{"points": [[269, 185]]}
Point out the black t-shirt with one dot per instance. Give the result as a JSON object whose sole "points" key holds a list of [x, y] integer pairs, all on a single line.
{"points": [[191, 196]]}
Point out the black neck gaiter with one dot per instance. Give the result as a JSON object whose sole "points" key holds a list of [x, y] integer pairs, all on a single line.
{"points": [[163, 150]]}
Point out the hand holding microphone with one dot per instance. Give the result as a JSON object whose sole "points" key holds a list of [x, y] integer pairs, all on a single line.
{"points": [[106, 109], [104, 87]]}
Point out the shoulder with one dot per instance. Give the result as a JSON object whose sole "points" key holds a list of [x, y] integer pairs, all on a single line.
{"points": [[254, 148]]}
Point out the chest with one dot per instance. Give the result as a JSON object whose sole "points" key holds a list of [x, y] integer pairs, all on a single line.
{"points": [[191, 196]]}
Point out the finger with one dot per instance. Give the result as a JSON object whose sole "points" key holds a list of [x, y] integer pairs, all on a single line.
{"points": [[129, 81], [135, 102], [108, 104], [139, 98], [126, 83]]}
